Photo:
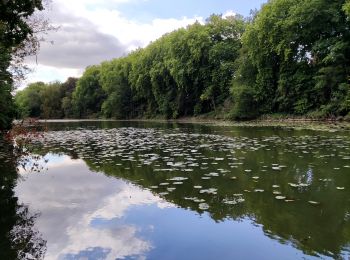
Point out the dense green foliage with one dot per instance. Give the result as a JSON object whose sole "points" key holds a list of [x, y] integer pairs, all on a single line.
{"points": [[346, 7], [88, 96], [291, 57], [296, 58], [186, 72], [42, 100], [14, 30]]}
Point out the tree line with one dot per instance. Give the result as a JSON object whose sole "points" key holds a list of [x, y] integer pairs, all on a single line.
{"points": [[290, 57], [52, 100]]}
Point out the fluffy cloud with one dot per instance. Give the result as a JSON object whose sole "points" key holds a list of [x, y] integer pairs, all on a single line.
{"points": [[130, 31], [90, 32], [68, 211], [47, 73], [229, 13], [77, 43]]}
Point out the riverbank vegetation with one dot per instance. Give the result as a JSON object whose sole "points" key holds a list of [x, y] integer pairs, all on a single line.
{"points": [[291, 57]]}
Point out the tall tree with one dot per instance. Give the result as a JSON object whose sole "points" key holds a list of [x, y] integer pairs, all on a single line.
{"points": [[299, 50], [89, 95], [225, 34], [51, 101], [114, 81], [14, 30], [67, 89], [29, 101]]}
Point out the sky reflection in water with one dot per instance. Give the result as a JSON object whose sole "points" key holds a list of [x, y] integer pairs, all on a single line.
{"points": [[86, 214], [103, 207]]}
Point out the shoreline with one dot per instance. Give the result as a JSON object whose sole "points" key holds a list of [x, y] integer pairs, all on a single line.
{"points": [[294, 123]]}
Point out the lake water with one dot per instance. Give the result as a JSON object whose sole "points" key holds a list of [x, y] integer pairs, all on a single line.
{"points": [[136, 190]]}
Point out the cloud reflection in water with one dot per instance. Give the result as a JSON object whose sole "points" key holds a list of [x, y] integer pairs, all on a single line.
{"points": [[74, 202]]}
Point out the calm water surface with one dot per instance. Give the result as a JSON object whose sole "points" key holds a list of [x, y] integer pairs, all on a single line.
{"points": [[123, 190]]}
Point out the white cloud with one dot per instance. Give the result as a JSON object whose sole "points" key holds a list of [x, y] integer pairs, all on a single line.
{"points": [[67, 210], [92, 31], [131, 31], [127, 197], [49, 73], [77, 43], [229, 13]]}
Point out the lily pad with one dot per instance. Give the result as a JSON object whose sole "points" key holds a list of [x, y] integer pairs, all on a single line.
{"points": [[280, 197], [203, 206], [178, 179], [293, 185], [276, 168], [314, 202]]}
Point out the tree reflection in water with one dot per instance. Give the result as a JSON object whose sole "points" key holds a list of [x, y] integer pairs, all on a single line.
{"points": [[143, 156], [152, 157], [18, 237]]}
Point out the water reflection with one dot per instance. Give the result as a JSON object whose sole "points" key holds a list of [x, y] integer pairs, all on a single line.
{"points": [[19, 239], [86, 215], [80, 210], [225, 186]]}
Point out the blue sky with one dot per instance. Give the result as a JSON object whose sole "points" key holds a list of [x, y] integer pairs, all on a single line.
{"points": [[148, 10], [92, 31]]}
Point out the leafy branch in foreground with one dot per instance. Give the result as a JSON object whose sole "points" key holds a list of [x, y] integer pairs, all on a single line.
{"points": [[22, 135], [21, 28]]}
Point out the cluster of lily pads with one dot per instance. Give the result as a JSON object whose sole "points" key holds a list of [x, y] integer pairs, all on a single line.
{"points": [[185, 157]]}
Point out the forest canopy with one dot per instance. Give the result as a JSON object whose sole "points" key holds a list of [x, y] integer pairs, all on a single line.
{"points": [[291, 57]]}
